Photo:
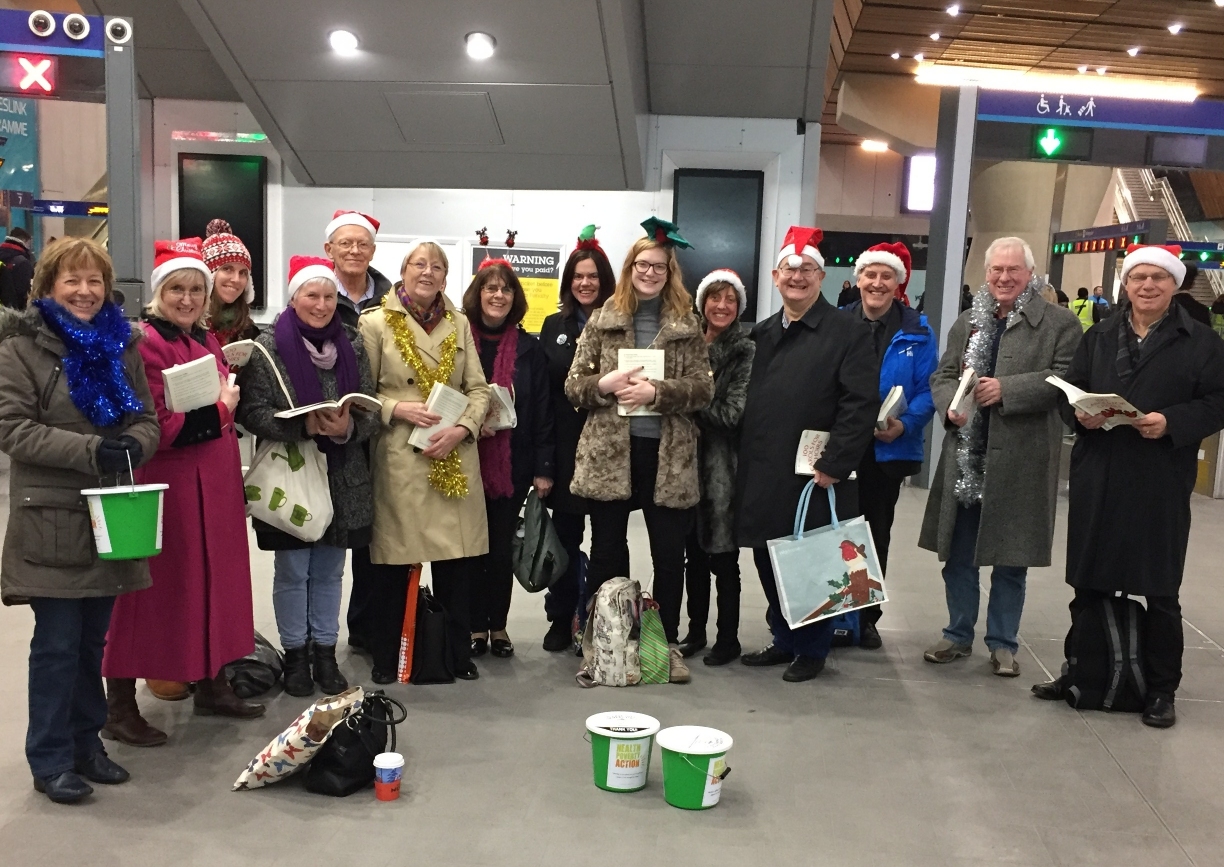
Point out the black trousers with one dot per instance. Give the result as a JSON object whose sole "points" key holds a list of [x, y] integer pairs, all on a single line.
{"points": [[697, 568], [667, 528], [878, 491], [493, 576], [359, 596], [452, 581], [1163, 641], [564, 599]]}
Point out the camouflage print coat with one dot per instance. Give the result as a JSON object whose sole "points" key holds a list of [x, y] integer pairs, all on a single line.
{"points": [[601, 469]]}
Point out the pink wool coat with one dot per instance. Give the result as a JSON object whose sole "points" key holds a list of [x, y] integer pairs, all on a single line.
{"points": [[197, 615]]}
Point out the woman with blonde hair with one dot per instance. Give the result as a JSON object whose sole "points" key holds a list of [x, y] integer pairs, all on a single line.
{"points": [[638, 448], [428, 503]]}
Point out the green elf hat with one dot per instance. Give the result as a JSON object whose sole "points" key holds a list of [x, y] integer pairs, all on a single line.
{"points": [[665, 233]]}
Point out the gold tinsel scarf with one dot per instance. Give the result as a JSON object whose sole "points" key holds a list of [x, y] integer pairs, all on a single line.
{"points": [[446, 475]]}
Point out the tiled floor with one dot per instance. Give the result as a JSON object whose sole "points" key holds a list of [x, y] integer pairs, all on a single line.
{"points": [[883, 760]]}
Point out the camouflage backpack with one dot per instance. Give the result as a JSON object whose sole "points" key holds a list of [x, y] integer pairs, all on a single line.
{"points": [[609, 645]]}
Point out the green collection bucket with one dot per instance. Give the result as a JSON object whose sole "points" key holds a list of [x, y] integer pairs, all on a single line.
{"points": [[127, 520], [621, 743], [694, 765]]}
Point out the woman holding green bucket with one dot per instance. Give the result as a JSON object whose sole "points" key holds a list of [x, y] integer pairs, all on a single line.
{"points": [[196, 618], [75, 408]]}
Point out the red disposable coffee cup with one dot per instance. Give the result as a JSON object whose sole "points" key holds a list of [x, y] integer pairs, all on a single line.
{"points": [[388, 771]]}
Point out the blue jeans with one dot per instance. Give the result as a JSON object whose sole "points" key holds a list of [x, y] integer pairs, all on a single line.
{"points": [[67, 702], [960, 575], [813, 640], [306, 594]]}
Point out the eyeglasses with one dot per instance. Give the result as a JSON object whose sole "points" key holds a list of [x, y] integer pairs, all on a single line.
{"points": [[492, 289], [808, 271], [1133, 279], [643, 267], [423, 266], [179, 292], [1010, 270], [347, 245]]}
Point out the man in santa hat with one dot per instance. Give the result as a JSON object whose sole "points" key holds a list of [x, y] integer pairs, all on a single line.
{"points": [[349, 242], [1128, 523], [814, 370]]}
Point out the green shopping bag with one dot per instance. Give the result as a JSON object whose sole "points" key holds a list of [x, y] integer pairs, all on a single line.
{"points": [[653, 656]]}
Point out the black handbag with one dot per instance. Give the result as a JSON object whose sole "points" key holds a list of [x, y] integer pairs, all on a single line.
{"points": [[537, 554], [345, 762], [431, 657], [258, 671]]}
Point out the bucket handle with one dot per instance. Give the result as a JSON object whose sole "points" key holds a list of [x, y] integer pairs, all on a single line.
{"points": [[705, 771], [131, 474]]}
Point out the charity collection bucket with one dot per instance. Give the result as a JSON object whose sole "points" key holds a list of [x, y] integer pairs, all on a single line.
{"points": [[694, 765], [621, 743], [388, 771], [126, 520]]}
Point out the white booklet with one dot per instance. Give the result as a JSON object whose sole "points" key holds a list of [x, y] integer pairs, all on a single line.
{"points": [[502, 415], [651, 362], [1116, 409], [193, 384], [963, 402], [238, 353], [445, 402], [356, 399], [811, 446], [894, 405]]}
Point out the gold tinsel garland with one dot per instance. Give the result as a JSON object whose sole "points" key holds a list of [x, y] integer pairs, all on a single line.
{"points": [[445, 476]]}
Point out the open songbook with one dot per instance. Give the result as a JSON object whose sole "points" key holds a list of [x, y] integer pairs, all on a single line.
{"points": [[356, 399], [192, 384], [1116, 409]]}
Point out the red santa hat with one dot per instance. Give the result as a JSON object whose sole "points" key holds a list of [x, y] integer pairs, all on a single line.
{"points": [[222, 247], [171, 256], [1162, 256], [303, 269], [801, 241], [352, 218], [895, 256], [721, 275]]}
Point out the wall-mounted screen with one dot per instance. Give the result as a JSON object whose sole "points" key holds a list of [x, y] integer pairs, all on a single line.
{"points": [[230, 187], [919, 184], [1177, 150]]}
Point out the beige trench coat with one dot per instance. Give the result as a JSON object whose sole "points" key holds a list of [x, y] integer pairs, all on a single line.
{"points": [[413, 523]]}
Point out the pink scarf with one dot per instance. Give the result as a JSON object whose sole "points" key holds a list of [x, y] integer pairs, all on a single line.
{"points": [[495, 450]]}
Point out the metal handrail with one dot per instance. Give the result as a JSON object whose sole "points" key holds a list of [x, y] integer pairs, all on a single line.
{"points": [[1160, 189]]}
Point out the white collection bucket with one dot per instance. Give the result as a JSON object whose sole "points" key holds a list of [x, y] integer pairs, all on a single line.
{"points": [[694, 765]]}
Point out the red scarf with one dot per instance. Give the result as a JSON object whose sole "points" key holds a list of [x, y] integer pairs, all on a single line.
{"points": [[495, 450]]}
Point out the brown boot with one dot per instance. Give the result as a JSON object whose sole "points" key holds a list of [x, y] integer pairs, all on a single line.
{"points": [[168, 690], [123, 720], [216, 696]]}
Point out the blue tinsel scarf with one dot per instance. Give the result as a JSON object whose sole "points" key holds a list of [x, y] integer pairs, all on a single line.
{"points": [[97, 378]]}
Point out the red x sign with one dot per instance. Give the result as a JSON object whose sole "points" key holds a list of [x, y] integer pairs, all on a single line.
{"points": [[35, 73], [32, 74]]}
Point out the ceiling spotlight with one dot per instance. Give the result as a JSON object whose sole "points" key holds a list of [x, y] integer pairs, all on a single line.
{"points": [[919, 57], [934, 37], [1133, 52], [1175, 29], [954, 10], [1081, 69], [1219, 2], [1101, 70], [875, 147], [480, 45], [343, 42], [896, 55]]}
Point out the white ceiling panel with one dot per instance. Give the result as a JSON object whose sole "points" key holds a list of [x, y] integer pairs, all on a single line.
{"points": [[735, 32], [727, 91], [432, 117], [444, 170]]}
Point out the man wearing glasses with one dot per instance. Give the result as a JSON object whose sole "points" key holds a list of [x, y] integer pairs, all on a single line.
{"points": [[815, 370], [993, 495], [350, 246]]}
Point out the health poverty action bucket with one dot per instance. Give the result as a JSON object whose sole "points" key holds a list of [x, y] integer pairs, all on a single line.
{"points": [[127, 520], [621, 742], [694, 765]]}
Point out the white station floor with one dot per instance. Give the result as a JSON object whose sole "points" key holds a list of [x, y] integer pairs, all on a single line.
{"points": [[882, 760]]}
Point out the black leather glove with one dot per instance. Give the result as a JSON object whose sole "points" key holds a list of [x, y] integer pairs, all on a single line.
{"points": [[113, 455], [133, 448]]}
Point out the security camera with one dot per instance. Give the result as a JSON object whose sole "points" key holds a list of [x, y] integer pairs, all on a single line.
{"points": [[41, 23], [76, 26], [118, 31]]}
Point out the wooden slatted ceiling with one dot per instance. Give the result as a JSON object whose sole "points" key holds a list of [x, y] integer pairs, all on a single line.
{"points": [[1049, 35]]}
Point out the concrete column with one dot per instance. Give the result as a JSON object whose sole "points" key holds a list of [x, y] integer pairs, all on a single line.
{"points": [[810, 185]]}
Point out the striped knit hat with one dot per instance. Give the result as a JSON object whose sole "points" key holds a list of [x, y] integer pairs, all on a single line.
{"points": [[223, 247]]}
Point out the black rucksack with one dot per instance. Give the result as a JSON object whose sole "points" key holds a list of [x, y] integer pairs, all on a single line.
{"points": [[1105, 666]]}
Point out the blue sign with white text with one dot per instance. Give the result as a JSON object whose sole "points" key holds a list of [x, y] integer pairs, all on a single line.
{"points": [[1202, 117]]}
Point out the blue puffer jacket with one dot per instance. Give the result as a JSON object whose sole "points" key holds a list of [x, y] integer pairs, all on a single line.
{"points": [[909, 360]]}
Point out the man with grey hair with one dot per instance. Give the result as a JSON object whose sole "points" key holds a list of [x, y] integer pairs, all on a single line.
{"points": [[993, 495]]}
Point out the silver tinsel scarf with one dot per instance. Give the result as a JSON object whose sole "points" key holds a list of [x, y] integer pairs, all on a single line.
{"points": [[970, 447]]}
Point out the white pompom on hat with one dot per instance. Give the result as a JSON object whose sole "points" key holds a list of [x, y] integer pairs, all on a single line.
{"points": [[1167, 257], [303, 269], [721, 275], [171, 256], [801, 241], [351, 218]]}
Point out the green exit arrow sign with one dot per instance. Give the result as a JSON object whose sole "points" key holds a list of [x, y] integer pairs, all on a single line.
{"points": [[1061, 143], [1050, 142]]}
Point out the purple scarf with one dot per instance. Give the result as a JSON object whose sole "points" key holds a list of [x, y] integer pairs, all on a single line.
{"points": [[290, 334], [494, 451]]}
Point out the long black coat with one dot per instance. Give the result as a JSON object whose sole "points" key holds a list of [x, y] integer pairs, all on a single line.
{"points": [[532, 442], [821, 373], [558, 339], [1129, 518]]}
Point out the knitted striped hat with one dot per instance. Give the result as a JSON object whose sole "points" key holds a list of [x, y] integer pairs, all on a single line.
{"points": [[223, 247]]}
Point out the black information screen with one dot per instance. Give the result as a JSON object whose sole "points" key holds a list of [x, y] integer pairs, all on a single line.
{"points": [[232, 188], [719, 213]]}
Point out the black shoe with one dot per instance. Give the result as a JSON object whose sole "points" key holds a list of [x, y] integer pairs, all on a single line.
{"points": [[357, 642], [691, 643], [721, 654], [869, 637], [326, 671], [469, 673], [558, 637], [1159, 713], [298, 681], [1052, 690], [502, 648], [65, 788], [772, 655], [803, 668], [98, 768], [480, 646], [379, 676]]}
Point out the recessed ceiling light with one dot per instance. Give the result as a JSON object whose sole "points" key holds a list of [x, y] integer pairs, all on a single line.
{"points": [[934, 37], [919, 57], [954, 10], [1101, 70], [1081, 69], [876, 147], [1175, 29], [343, 42], [1219, 2], [480, 45], [896, 55], [1133, 52]]}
